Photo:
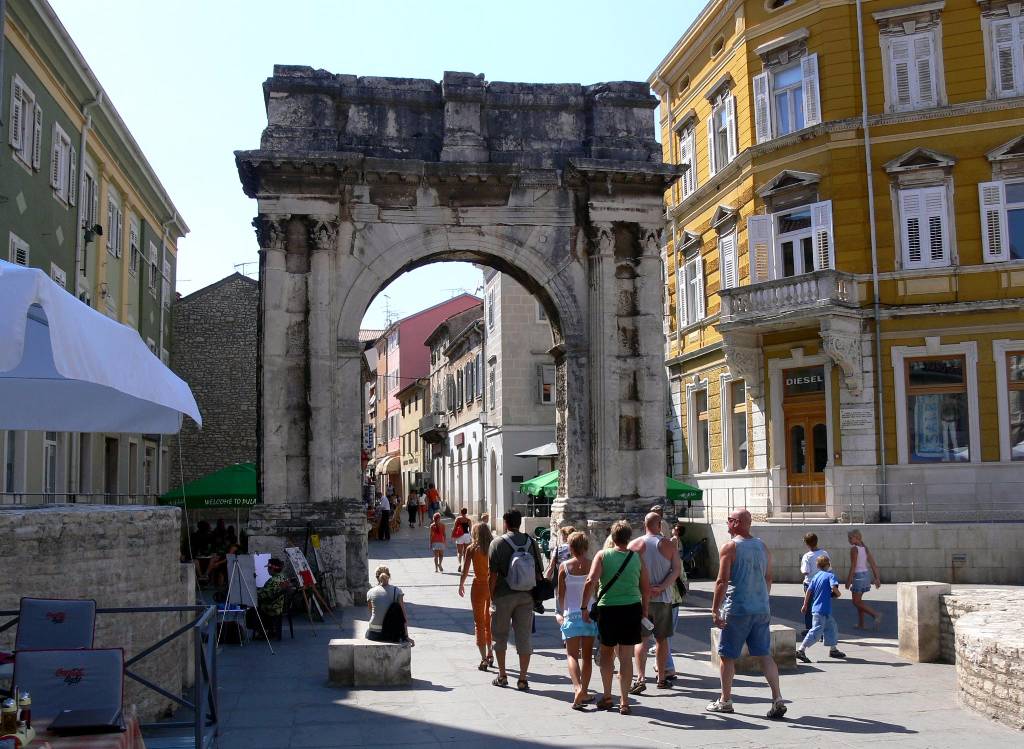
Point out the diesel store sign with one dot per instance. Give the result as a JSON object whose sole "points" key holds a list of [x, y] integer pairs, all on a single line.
{"points": [[803, 381]]}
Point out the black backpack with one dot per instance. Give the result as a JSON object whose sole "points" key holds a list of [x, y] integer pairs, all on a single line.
{"points": [[392, 629]]}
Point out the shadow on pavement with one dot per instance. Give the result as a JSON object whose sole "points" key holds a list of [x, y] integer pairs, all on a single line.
{"points": [[847, 724]]}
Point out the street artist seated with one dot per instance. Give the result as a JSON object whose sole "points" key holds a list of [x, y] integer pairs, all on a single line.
{"points": [[272, 597], [386, 602]]}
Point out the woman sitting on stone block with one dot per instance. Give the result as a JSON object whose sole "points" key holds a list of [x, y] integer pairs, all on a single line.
{"points": [[386, 602]]}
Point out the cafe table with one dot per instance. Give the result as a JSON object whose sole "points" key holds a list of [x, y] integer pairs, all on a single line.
{"points": [[128, 739]]}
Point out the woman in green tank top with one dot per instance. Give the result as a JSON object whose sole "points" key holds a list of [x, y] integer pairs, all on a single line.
{"points": [[622, 604]]}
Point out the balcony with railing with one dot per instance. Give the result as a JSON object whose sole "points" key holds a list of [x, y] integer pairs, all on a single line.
{"points": [[777, 303], [434, 427]]}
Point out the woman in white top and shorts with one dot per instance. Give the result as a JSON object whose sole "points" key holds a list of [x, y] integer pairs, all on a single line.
{"points": [[577, 634], [863, 572]]}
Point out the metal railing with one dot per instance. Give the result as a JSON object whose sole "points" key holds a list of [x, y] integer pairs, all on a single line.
{"points": [[860, 503], [532, 507], [61, 498], [201, 699]]}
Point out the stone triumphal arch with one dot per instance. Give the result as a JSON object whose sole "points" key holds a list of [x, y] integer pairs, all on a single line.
{"points": [[361, 179]]}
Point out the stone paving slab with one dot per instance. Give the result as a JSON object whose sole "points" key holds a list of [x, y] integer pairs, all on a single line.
{"points": [[284, 701]]}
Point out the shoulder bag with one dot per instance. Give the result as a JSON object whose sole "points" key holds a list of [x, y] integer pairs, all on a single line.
{"points": [[594, 610]]}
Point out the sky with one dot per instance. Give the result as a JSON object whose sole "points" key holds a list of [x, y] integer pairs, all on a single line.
{"points": [[186, 78]]}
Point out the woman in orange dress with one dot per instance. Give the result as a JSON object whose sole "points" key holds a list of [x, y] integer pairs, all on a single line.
{"points": [[480, 593]]}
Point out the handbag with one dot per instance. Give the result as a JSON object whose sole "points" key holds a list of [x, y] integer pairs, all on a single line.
{"points": [[594, 611]]}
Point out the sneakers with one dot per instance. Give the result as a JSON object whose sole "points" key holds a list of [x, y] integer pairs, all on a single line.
{"points": [[801, 655], [721, 706], [777, 711], [835, 653]]}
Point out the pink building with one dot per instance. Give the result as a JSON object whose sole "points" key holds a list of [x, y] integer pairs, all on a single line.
{"points": [[402, 358]]}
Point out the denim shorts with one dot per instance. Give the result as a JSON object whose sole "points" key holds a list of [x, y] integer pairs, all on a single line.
{"points": [[752, 629], [861, 582]]}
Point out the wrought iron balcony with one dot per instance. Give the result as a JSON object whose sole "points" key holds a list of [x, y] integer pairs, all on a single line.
{"points": [[775, 304], [434, 427]]}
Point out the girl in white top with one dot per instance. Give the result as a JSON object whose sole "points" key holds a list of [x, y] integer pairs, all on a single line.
{"points": [[577, 634], [863, 572]]}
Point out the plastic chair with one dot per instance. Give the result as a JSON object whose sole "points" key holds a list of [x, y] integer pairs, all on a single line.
{"points": [[71, 680], [55, 624]]}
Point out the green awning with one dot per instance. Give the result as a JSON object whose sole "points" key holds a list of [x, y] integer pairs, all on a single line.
{"points": [[233, 486], [546, 485]]}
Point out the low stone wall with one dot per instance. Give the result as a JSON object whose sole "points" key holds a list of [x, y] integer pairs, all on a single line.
{"points": [[955, 605], [986, 553], [119, 556], [990, 664]]}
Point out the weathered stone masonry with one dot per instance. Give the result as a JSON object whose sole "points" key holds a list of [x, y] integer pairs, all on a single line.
{"points": [[361, 179]]}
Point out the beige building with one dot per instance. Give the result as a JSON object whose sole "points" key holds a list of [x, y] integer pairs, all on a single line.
{"points": [[413, 399]]}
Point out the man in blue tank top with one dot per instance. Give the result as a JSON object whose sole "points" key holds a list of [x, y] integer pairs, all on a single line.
{"points": [[741, 610]]}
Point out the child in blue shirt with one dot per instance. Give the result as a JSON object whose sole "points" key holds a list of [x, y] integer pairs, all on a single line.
{"points": [[822, 588]]}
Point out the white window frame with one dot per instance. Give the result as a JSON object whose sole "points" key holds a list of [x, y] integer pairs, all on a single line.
{"points": [[1000, 350], [766, 124], [916, 98], [998, 51], [19, 251], [724, 104], [153, 272], [725, 382], [728, 260], [25, 117], [542, 315], [492, 381], [968, 350], [546, 375], [688, 156], [692, 388], [690, 287], [995, 225], [134, 249], [115, 225], [932, 202]]}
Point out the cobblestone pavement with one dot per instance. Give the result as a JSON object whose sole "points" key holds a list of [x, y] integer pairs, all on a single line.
{"points": [[283, 700]]}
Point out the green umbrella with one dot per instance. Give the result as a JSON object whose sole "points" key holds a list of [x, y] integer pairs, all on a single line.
{"points": [[233, 486], [546, 485]]}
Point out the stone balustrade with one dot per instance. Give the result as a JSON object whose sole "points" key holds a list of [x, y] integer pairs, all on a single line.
{"points": [[785, 298]]}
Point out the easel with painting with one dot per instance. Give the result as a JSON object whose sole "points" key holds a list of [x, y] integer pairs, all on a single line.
{"points": [[312, 598]]}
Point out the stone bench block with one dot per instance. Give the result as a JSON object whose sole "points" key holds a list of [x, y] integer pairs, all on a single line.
{"points": [[783, 651], [917, 606], [359, 662]]}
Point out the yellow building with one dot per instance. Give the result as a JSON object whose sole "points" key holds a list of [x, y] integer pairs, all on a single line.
{"points": [[792, 275], [412, 399]]}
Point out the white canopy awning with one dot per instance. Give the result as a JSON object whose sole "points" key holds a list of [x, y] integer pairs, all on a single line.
{"points": [[66, 367], [549, 450]]}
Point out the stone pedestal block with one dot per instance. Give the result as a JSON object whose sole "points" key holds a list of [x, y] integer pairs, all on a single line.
{"points": [[783, 651], [918, 620], [359, 662]]}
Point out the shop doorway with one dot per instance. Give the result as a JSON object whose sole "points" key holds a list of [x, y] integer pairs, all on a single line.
{"points": [[806, 435]]}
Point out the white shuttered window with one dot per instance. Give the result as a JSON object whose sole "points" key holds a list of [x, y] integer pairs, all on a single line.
{"points": [[722, 141], [727, 260], [913, 66], [25, 133], [760, 243], [924, 227], [690, 291], [688, 157], [1002, 220], [1007, 56], [786, 99]]}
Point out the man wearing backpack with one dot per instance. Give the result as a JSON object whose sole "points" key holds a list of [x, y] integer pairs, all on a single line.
{"points": [[515, 567]]}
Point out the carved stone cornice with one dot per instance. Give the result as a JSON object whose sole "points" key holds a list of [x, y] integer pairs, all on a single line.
{"points": [[650, 240], [843, 346], [743, 356], [323, 233], [271, 230]]}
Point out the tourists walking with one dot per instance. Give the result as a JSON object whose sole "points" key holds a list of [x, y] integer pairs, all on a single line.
{"points": [[621, 604], [740, 608], [863, 572], [663, 565], [386, 604], [437, 534], [384, 524], [461, 535], [412, 505], [818, 600], [561, 552], [809, 568], [480, 592], [433, 500], [512, 578], [423, 508], [577, 634]]}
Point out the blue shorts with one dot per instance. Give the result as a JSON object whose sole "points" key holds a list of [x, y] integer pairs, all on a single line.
{"points": [[574, 626], [861, 582], [752, 629]]}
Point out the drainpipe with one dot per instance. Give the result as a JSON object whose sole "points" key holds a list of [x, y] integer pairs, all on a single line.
{"points": [[883, 502], [160, 438], [83, 207], [3, 45]]}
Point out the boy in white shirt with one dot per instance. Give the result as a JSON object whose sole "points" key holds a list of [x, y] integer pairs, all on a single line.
{"points": [[809, 568]]}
